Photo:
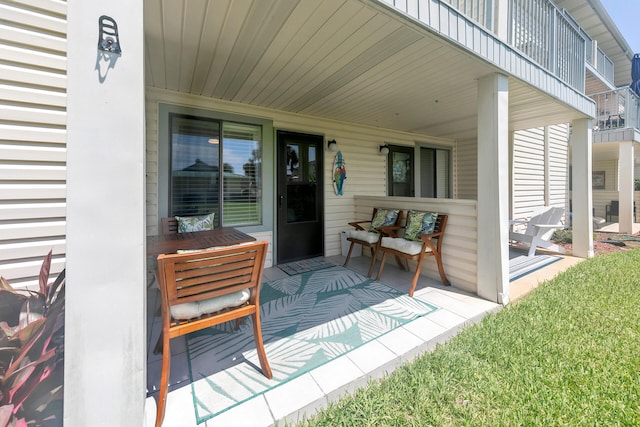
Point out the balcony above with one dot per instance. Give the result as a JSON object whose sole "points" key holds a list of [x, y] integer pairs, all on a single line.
{"points": [[617, 116], [616, 109], [568, 27], [594, 19]]}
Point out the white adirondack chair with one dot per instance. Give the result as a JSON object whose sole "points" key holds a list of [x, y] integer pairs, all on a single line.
{"points": [[540, 227]]}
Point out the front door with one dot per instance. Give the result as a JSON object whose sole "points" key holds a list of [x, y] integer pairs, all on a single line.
{"points": [[299, 197]]}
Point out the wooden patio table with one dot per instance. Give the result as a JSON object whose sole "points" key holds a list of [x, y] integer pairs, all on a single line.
{"points": [[172, 243]]}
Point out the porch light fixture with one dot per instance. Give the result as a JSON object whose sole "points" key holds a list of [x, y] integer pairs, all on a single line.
{"points": [[108, 40], [332, 145], [384, 149]]}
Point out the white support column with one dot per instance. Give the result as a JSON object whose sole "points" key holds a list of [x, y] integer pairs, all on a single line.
{"points": [[582, 220], [493, 188], [625, 184], [105, 325]]}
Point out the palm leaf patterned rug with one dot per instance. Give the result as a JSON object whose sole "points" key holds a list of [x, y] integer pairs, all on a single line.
{"points": [[307, 320]]}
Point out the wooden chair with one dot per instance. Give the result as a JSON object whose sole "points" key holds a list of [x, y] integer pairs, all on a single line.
{"points": [[366, 238], [206, 288], [169, 225], [613, 209], [429, 245], [540, 227]]}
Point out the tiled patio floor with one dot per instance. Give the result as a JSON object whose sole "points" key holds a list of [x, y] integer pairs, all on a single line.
{"points": [[303, 396]]}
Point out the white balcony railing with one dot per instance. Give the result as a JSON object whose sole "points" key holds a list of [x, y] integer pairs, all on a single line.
{"points": [[480, 11], [595, 56], [536, 28], [617, 109], [550, 37]]}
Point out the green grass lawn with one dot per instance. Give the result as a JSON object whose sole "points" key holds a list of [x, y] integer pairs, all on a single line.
{"points": [[569, 354]]}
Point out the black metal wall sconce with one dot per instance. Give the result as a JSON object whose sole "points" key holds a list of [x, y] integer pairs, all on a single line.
{"points": [[108, 39], [332, 145], [384, 149]]}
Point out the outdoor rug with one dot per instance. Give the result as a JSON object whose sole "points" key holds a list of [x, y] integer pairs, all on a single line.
{"points": [[520, 264], [307, 321], [305, 265]]}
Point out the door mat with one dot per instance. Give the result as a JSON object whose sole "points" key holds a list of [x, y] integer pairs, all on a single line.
{"points": [[304, 266], [307, 320]]}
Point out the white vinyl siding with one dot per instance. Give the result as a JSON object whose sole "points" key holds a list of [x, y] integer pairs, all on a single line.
{"points": [[558, 166], [465, 168], [539, 169], [32, 137], [366, 168]]}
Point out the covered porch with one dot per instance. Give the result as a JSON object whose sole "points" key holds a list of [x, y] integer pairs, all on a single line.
{"points": [[362, 73], [302, 394], [392, 76]]}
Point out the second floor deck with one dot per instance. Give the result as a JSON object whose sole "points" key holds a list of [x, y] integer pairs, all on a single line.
{"points": [[617, 109], [540, 29]]}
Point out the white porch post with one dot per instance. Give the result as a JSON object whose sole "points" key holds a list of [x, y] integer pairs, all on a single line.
{"points": [[493, 188], [105, 325], [582, 221], [625, 184]]}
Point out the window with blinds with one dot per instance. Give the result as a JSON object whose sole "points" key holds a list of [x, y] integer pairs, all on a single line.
{"points": [[242, 174], [216, 166]]}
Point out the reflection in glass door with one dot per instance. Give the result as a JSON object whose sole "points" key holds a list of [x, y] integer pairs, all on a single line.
{"points": [[301, 183], [400, 171]]}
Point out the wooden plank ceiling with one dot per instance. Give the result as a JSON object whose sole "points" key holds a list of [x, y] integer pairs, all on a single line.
{"points": [[347, 60]]}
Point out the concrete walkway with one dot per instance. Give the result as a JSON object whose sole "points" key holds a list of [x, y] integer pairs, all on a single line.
{"points": [[614, 227]]}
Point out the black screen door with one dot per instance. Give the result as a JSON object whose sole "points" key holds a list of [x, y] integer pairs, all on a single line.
{"points": [[299, 197]]}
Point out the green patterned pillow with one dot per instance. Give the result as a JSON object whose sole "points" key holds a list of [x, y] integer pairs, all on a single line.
{"points": [[419, 223], [383, 217], [195, 223]]}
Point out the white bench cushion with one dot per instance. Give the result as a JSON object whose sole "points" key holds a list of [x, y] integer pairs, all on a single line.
{"points": [[403, 245], [191, 310], [364, 235]]}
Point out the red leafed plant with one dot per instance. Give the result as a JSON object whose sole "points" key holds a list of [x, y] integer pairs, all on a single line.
{"points": [[31, 352]]}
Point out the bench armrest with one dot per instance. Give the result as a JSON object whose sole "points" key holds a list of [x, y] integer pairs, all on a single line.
{"points": [[356, 224], [390, 230], [548, 226]]}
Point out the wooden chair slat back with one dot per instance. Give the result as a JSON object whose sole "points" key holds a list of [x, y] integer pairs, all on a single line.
{"points": [[169, 225], [441, 223], [440, 227], [211, 273]]}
